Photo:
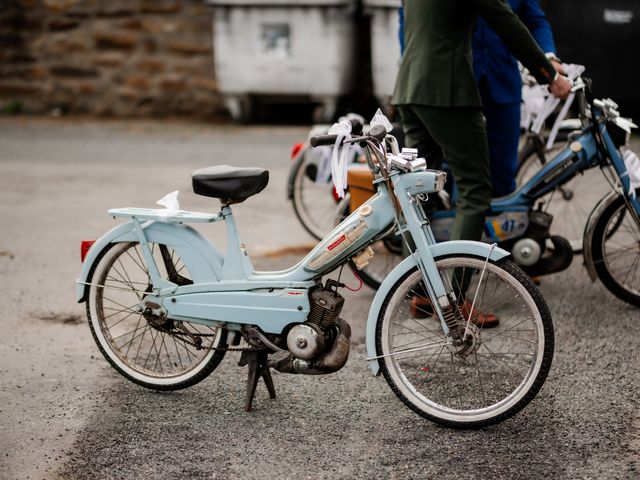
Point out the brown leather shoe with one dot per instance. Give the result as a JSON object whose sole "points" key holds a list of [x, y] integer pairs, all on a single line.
{"points": [[421, 308], [479, 319]]}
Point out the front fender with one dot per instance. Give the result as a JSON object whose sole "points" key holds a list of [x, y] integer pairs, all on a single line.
{"points": [[454, 247], [201, 257]]}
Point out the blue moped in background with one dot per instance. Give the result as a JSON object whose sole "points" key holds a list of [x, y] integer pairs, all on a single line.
{"points": [[521, 224]]}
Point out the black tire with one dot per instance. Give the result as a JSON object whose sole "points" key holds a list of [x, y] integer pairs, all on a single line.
{"points": [[615, 251], [407, 376], [118, 282]]}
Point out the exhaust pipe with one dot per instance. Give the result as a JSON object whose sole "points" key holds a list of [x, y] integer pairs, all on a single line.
{"points": [[329, 362]]}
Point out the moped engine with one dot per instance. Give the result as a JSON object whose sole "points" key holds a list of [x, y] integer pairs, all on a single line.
{"points": [[321, 344], [309, 339], [528, 249]]}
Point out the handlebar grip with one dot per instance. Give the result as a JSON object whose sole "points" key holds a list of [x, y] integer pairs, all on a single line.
{"points": [[319, 140], [378, 132], [356, 126], [330, 140]]}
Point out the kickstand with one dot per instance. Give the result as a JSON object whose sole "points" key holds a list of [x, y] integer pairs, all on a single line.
{"points": [[256, 362]]}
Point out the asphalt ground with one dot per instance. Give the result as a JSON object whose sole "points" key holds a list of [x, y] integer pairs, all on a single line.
{"points": [[65, 413]]}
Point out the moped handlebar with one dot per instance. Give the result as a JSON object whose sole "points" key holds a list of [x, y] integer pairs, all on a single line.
{"points": [[322, 140], [329, 140]]}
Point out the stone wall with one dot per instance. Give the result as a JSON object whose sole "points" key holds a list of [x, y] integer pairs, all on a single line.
{"points": [[107, 57]]}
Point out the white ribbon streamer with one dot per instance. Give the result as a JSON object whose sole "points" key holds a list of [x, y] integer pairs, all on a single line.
{"points": [[340, 159]]}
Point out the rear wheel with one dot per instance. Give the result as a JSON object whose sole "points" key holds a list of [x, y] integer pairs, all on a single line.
{"points": [[491, 375], [615, 250], [146, 347], [313, 200]]}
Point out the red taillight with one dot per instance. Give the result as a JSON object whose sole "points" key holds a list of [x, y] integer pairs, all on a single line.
{"points": [[295, 150], [85, 245]]}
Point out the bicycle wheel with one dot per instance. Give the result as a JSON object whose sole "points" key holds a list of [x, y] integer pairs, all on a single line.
{"points": [[570, 204], [494, 373], [313, 197], [151, 350], [615, 250]]}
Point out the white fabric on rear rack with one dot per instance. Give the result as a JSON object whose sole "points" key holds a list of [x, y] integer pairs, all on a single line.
{"points": [[170, 204]]}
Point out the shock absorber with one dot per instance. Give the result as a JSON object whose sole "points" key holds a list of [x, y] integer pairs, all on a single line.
{"points": [[454, 319]]}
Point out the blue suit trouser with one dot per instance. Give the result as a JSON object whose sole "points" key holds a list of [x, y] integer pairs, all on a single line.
{"points": [[503, 133]]}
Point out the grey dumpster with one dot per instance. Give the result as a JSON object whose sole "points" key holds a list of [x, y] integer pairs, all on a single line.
{"points": [[299, 49], [385, 46]]}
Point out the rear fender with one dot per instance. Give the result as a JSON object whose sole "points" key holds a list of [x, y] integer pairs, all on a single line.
{"points": [[438, 250], [201, 257]]}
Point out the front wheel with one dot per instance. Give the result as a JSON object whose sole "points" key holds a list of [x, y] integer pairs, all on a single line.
{"points": [[615, 250], [146, 347], [487, 378]]}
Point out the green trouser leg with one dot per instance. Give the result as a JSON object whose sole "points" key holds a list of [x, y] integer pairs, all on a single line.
{"points": [[458, 135]]}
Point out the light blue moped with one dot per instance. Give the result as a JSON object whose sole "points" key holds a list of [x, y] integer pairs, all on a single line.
{"points": [[164, 305]]}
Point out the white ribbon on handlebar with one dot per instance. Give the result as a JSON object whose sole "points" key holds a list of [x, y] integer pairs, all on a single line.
{"points": [[537, 111], [340, 157]]}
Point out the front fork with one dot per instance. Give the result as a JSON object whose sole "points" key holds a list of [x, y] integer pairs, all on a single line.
{"points": [[443, 301]]}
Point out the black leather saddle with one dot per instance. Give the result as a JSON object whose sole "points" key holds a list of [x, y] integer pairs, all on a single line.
{"points": [[229, 184]]}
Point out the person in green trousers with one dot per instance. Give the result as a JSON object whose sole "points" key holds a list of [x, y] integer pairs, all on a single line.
{"points": [[438, 100]]}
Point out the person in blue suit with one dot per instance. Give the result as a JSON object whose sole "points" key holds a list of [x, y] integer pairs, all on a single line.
{"points": [[500, 85]]}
